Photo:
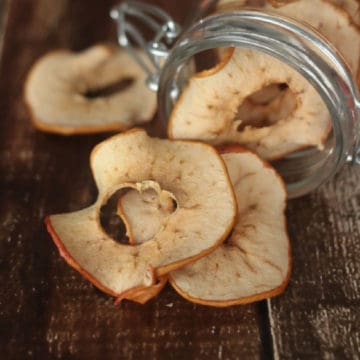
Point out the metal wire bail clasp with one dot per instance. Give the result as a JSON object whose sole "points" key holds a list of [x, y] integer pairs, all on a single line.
{"points": [[165, 30]]}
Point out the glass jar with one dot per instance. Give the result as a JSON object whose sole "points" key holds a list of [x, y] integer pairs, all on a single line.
{"points": [[297, 46]]}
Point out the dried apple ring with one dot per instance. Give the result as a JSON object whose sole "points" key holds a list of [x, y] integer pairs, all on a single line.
{"points": [[196, 177], [352, 7], [254, 263], [99, 89], [207, 108], [334, 19], [331, 21]]}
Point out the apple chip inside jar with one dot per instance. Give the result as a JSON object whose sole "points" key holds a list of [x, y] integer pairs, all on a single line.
{"points": [[188, 171], [352, 7], [334, 19], [332, 22], [208, 108]]}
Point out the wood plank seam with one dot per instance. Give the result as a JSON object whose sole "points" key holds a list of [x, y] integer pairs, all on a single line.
{"points": [[275, 349]]}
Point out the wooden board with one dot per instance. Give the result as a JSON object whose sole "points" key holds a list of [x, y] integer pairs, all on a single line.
{"points": [[47, 310], [319, 316], [4, 6]]}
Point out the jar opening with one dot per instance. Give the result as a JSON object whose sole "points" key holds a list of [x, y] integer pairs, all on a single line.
{"points": [[297, 47]]}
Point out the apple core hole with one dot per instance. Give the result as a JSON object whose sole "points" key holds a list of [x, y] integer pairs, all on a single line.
{"points": [[266, 106], [206, 60], [110, 89], [110, 221], [145, 213]]}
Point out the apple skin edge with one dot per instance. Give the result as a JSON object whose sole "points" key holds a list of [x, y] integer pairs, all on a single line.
{"points": [[140, 294]]}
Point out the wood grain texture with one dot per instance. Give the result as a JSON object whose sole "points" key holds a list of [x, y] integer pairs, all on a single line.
{"points": [[47, 310], [4, 6], [319, 317]]}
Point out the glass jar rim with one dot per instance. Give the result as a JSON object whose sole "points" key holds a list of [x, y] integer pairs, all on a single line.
{"points": [[291, 42]]}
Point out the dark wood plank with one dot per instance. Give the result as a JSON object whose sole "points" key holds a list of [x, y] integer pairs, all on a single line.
{"points": [[47, 310], [4, 6], [319, 316]]}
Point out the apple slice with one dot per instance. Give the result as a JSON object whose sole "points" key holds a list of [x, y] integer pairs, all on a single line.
{"points": [[352, 7], [99, 89], [254, 262], [195, 176], [331, 21], [208, 108], [334, 19]]}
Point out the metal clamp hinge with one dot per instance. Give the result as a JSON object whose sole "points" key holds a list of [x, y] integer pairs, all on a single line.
{"points": [[165, 30]]}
